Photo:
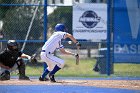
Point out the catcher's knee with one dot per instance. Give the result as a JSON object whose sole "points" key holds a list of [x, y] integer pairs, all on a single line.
{"points": [[20, 62], [5, 75]]}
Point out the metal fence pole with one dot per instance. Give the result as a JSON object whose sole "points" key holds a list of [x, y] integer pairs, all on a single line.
{"points": [[45, 20], [108, 65], [45, 28]]}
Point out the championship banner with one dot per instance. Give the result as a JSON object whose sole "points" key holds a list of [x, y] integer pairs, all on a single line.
{"points": [[90, 21], [127, 31]]}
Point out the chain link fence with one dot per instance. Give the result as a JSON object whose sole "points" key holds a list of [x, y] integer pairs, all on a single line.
{"points": [[24, 21]]}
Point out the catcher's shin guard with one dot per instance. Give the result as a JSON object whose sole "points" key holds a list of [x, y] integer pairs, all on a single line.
{"points": [[5, 75], [21, 68]]}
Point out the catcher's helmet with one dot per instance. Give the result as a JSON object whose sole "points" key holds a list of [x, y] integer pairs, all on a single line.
{"points": [[12, 45], [60, 27]]}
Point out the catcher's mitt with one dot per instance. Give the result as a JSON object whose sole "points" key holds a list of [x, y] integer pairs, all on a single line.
{"points": [[77, 59], [33, 60]]}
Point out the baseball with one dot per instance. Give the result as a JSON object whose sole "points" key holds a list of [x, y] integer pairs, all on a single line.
{"points": [[70, 42]]}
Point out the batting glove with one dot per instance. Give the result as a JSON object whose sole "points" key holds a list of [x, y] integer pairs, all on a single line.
{"points": [[78, 44], [76, 55]]}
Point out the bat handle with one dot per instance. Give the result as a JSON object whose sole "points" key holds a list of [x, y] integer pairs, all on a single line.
{"points": [[78, 47], [77, 60]]}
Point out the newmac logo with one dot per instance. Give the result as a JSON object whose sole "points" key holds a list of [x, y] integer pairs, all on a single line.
{"points": [[133, 8], [89, 19]]}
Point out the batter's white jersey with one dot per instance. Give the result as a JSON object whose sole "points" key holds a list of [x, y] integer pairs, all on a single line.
{"points": [[53, 43]]}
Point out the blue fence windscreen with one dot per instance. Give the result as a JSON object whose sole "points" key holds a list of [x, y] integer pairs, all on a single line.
{"points": [[127, 31]]}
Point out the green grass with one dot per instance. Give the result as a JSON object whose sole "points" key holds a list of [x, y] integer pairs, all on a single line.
{"points": [[84, 69], [124, 69]]}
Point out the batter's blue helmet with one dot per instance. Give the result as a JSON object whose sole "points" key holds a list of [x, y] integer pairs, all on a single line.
{"points": [[60, 27]]}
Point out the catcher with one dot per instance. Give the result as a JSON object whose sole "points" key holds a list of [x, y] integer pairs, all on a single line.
{"points": [[12, 59], [53, 43]]}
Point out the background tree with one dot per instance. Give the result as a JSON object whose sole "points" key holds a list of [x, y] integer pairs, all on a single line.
{"points": [[61, 15], [17, 20], [4, 9]]}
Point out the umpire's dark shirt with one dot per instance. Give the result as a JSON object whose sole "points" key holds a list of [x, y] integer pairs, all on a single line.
{"points": [[8, 58]]}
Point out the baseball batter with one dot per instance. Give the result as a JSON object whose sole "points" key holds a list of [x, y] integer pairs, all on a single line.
{"points": [[54, 43]]}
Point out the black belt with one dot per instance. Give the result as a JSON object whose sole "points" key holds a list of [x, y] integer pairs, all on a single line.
{"points": [[45, 51]]}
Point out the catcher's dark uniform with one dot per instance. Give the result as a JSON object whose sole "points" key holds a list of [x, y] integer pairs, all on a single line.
{"points": [[10, 58]]}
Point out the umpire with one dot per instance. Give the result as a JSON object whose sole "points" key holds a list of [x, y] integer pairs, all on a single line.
{"points": [[10, 60]]}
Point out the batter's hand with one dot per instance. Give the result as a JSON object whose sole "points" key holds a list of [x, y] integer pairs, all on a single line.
{"points": [[78, 44]]}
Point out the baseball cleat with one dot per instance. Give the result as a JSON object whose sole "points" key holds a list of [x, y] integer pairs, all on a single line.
{"points": [[52, 79], [24, 78], [43, 79]]}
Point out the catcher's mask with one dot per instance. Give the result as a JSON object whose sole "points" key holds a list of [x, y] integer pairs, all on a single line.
{"points": [[60, 27], [12, 45]]}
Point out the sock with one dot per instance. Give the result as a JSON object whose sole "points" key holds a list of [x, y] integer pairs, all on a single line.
{"points": [[56, 68], [46, 71], [44, 66]]}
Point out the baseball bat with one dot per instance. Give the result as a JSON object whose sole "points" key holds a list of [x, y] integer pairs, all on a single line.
{"points": [[77, 59]]}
